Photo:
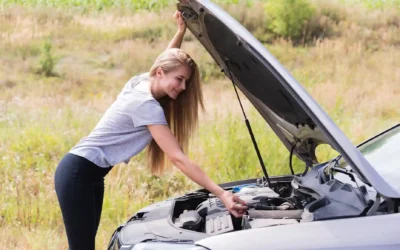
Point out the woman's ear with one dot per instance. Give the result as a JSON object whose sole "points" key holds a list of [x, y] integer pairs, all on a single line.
{"points": [[159, 72]]}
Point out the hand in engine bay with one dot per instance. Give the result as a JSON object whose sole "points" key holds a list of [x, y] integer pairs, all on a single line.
{"points": [[236, 206]]}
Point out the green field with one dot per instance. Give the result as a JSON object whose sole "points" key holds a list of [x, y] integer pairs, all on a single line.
{"points": [[62, 63]]}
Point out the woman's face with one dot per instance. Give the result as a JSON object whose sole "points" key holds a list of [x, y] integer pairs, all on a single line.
{"points": [[174, 82]]}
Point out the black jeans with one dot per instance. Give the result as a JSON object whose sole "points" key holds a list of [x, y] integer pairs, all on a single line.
{"points": [[79, 185]]}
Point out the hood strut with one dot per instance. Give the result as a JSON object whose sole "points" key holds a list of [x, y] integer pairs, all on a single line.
{"points": [[227, 62]]}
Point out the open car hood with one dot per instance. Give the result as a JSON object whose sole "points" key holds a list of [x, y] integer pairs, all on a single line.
{"points": [[288, 109]]}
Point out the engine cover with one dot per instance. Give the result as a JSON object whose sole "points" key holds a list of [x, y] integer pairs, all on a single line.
{"points": [[210, 206], [189, 220]]}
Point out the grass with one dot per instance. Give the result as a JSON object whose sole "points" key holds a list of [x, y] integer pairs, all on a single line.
{"points": [[354, 75], [92, 4]]}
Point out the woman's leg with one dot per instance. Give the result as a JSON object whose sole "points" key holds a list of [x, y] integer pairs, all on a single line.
{"points": [[80, 188], [98, 203]]}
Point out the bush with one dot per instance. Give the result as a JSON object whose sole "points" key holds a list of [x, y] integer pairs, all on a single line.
{"points": [[289, 18], [325, 21], [47, 61]]}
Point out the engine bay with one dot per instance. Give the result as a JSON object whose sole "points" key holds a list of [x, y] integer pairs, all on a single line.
{"points": [[307, 198], [209, 215], [316, 195]]}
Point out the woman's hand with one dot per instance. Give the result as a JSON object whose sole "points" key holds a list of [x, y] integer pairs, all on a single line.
{"points": [[234, 204], [176, 41], [180, 22]]}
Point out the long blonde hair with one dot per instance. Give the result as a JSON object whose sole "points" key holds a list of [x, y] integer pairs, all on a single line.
{"points": [[181, 113]]}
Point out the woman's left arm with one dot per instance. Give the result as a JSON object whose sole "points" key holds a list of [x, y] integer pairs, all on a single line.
{"points": [[168, 143], [176, 42]]}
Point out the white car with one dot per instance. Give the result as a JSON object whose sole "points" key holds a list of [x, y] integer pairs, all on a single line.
{"points": [[350, 202]]}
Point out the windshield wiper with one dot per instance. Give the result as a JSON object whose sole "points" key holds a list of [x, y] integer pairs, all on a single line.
{"points": [[344, 171], [334, 167]]}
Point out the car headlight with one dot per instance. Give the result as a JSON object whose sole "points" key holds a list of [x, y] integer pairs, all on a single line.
{"points": [[166, 246]]}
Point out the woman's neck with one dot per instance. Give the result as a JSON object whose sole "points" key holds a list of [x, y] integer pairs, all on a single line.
{"points": [[155, 89]]}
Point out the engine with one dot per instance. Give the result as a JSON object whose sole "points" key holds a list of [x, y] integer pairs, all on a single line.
{"points": [[308, 198], [266, 208]]}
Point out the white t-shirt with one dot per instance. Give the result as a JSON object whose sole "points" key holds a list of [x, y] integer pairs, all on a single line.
{"points": [[122, 132]]}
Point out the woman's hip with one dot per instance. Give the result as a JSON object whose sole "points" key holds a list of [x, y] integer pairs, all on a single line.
{"points": [[79, 169]]}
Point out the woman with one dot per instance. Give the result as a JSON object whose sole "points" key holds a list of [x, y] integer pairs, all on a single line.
{"points": [[148, 109]]}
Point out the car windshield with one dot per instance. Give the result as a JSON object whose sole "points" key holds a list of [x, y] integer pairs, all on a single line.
{"points": [[383, 152]]}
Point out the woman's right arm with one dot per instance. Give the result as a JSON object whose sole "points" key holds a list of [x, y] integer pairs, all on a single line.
{"points": [[176, 41], [168, 143]]}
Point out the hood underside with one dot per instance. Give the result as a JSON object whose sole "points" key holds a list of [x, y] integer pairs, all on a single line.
{"points": [[256, 77], [285, 105]]}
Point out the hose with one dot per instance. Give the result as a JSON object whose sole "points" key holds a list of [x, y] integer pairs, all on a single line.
{"points": [[275, 214]]}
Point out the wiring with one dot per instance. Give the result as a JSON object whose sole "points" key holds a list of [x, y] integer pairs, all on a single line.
{"points": [[291, 155]]}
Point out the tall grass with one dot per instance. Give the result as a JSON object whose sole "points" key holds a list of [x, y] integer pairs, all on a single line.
{"points": [[138, 5], [93, 4], [354, 75]]}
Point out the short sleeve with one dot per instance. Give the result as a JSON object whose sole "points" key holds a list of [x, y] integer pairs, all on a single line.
{"points": [[149, 112]]}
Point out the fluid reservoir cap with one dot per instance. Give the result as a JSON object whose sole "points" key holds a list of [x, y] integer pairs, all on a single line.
{"points": [[240, 187], [190, 219], [254, 190]]}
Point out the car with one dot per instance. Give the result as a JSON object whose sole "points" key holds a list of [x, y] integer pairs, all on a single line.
{"points": [[349, 202]]}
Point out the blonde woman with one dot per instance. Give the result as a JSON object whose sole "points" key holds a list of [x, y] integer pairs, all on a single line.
{"points": [[157, 110]]}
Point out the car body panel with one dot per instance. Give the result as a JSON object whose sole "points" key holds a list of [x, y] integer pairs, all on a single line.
{"points": [[356, 233]]}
